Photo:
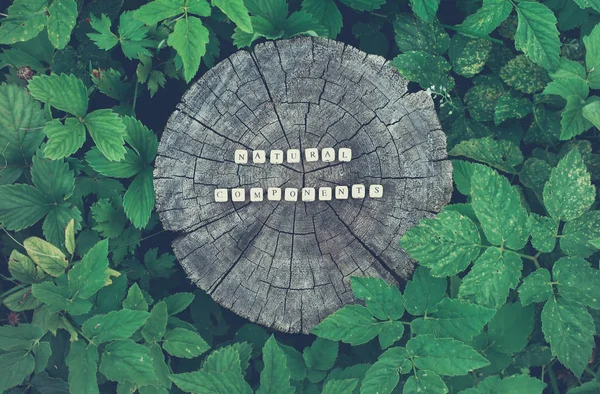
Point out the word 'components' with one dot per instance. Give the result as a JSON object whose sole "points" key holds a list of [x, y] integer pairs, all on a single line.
{"points": [[326, 155], [306, 194]]}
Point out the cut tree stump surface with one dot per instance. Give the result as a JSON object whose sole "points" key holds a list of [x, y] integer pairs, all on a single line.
{"points": [[282, 264]]}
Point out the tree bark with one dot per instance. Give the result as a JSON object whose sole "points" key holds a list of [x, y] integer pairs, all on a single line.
{"points": [[282, 264]]}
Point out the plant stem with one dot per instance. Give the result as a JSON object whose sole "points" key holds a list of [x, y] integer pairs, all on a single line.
{"points": [[532, 258], [553, 380], [588, 370], [464, 31], [135, 94]]}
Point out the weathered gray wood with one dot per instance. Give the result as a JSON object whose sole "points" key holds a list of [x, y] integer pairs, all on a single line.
{"points": [[282, 264]]}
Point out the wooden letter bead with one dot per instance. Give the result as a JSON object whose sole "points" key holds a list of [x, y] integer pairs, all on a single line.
{"points": [[291, 194], [345, 154], [293, 156], [220, 195], [259, 156], [238, 195], [308, 194], [241, 156], [256, 194], [312, 154], [358, 191], [341, 192], [325, 193], [376, 191], [276, 156], [274, 194], [328, 154]]}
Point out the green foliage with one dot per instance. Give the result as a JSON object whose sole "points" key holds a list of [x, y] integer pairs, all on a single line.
{"points": [[504, 298]]}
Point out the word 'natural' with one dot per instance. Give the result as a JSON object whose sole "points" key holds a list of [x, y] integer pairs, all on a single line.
{"points": [[293, 155], [306, 194]]}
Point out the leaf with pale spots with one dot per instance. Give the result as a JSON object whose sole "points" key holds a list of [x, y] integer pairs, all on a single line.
{"points": [[577, 281], [385, 302], [501, 154], [544, 231], [126, 361], [569, 329], [114, 326], [536, 287], [352, 324], [383, 376], [425, 382], [183, 343], [577, 235]]}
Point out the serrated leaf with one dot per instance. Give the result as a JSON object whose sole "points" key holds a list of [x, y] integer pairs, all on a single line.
{"points": [[135, 299], [498, 207], [524, 75], [424, 382], [226, 359], [64, 92], [509, 330], [383, 376], [444, 356], [446, 244], [83, 367], [62, 16], [15, 366], [23, 269], [109, 217], [105, 38], [492, 276], [577, 235], [423, 292], [537, 35], [141, 139], [156, 325], [158, 10], [385, 302], [70, 237], [321, 354], [275, 377], [468, 55], [425, 9], [22, 300], [127, 168], [46, 256], [391, 331], [108, 132], [115, 325], [519, 384], [126, 361], [211, 383], [488, 17], [327, 13], [364, 5], [569, 329], [30, 19], [536, 287], [591, 112], [177, 303], [183, 343], [568, 87], [569, 193], [25, 336], [544, 231], [412, 34], [577, 281], [341, 386], [59, 298], [426, 69], [481, 99], [54, 178], [352, 324], [592, 57], [189, 39], [138, 201], [237, 12], [511, 107], [88, 276], [501, 154]]}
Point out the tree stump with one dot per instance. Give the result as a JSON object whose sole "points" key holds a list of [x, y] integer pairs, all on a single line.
{"points": [[283, 264]]}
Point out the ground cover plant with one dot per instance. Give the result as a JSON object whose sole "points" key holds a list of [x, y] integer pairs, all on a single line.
{"points": [[505, 298]]}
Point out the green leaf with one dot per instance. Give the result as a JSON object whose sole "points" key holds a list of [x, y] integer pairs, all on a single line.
{"points": [[237, 12], [275, 376], [183, 343], [385, 302], [226, 359], [468, 55], [295, 361], [83, 367], [509, 330], [578, 234], [592, 57], [25, 336], [114, 325], [111, 83], [534, 174], [383, 376], [54, 178], [88, 276], [108, 132], [176, 303], [46, 256], [126, 361], [501, 154], [352, 324], [524, 75], [424, 382], [488, 17], [364, 5], [425, 9], [568, 69], [591, 112], [446, 244], [568, 87], [391, 331], [423, 292], [61, 21], [591, 387], [132, 36], [135, 299], [156, 325], [23, 269], [412, 34], [426, 69], [481, 102], [59, 298], [327, 13], [211, 383], [109, 217], [544, 231], [519, 384], [321, 355], [444, 356], [127, 168], [105, 38], [569, 192], [139, 198], [569, 329], [577, 281], [491, 278], [572, 120], [536, 287], [64, 92], [511, 107], [189, 39], [498, 207], [30, 19], [162, 267], [21, 206], [63, 139], [15, 366], [158, 10], [537, 35], [343, 386], [142, 139], [454, 318]]}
